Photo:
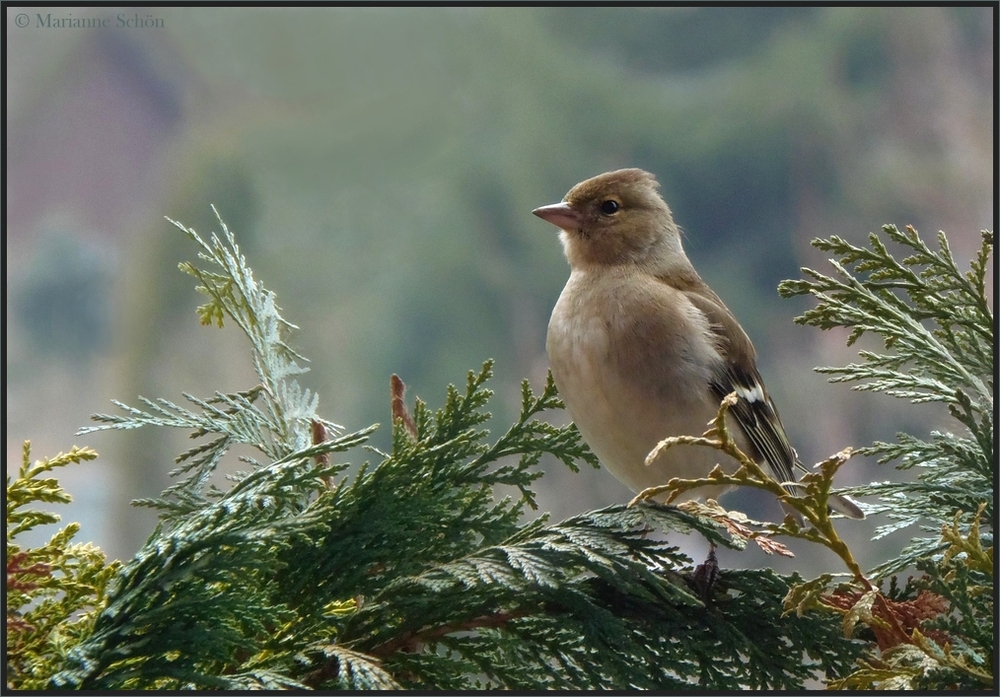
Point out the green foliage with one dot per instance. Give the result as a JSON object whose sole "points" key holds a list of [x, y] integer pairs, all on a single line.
{"points": [[52, 590], [964, 578], [945, 620], [949, 361], [937, 326], [413, 572], [936, 632]]}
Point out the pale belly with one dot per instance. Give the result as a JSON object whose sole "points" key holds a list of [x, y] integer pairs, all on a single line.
{"points": [[622, 418]]}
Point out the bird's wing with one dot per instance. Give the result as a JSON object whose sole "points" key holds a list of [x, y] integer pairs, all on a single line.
{"points": [[754, 411], [757, 417]]}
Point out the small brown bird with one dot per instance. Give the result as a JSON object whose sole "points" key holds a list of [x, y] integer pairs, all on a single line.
{"points": [[642, 349]]}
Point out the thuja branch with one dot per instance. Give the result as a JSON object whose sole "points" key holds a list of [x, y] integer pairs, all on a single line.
{"points": [[415, 640], [812, 506], [869, 605]]}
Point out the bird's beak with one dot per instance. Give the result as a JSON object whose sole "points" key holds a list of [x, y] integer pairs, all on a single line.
{"points": [[562, 215]]}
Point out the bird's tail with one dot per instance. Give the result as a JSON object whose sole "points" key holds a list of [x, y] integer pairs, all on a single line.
{"points": [[837, 503], [843, 504]]}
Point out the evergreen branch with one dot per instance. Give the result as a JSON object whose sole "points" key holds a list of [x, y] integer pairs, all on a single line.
{"points": [[351, 669], [933, 293], [409, 572], [812, 506], [532, 576], [931, 633], [531, 438], [234, 292], [53, 590], [416, 640]]}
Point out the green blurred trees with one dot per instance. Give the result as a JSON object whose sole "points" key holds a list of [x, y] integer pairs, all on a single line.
{"points": [[406, 147]]}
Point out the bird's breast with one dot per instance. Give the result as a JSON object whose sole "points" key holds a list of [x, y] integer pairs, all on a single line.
{"points": [[626, 381]]}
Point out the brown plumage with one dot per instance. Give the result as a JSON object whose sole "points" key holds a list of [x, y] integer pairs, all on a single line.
{"points": [[641, 348]]}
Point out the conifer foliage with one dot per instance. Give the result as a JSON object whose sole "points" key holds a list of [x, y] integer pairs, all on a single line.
{"points": [[54, 591], [414, 570], [935, 631]]}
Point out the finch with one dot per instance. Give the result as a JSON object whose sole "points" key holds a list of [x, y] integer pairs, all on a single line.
{"points": [[642, 349]]}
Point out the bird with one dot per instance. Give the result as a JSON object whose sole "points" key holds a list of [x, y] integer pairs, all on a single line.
{"points": [[641, 348]]}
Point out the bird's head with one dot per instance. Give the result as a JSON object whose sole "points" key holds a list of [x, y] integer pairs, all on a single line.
{"points": [[615, 218]]}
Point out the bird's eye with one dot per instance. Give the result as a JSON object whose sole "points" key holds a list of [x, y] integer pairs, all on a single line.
{"points": [[609, 207]]}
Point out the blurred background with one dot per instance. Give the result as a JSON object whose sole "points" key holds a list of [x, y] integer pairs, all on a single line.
{"points": [[379, 166]]}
